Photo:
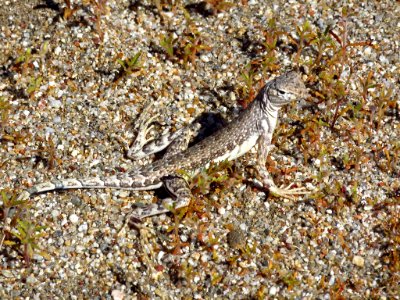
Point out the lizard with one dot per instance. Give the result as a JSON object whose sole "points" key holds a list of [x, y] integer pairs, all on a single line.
{"points": [[254, 126]]}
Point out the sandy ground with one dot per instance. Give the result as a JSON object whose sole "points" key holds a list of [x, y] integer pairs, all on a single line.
{"points": [[70, 96]]}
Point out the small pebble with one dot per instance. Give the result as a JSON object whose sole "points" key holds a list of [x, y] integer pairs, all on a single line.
{"points": [[74, 218], [273, 290], [83, 227], [57, 51], [358, 261], [236, 239], [55, 213], [55, 103], [118, 295]]}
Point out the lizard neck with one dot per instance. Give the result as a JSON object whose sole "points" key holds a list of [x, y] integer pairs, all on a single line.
{"points": [[268, 114], [267, 106]]}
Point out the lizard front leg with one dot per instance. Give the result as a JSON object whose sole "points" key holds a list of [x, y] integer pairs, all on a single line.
{"points": [[180, 197], [264, 147]]}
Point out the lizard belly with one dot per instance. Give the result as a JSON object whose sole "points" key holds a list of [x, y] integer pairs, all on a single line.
{"points": [[239, 150]]}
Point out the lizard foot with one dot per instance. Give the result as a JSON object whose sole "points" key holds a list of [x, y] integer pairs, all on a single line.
{"points": [[287, 192], [135, 151]]}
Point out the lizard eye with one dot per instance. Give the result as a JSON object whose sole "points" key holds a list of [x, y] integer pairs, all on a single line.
{"points": [[281, 92]]}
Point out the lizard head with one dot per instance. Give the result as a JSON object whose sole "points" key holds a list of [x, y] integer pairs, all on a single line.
{"points": [[284, 89]]}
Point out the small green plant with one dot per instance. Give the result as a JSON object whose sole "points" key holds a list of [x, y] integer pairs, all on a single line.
{"points": [[69, 10], [23, 61], [28, 234], [184, 48], [98, 7], [290, 280], [305, 37], [5, 108], [34, 85], [264, 64], [192, 45], [249, 90], [129, 66], [10, 201], [25, 233], [167, 42], [216, 277], [272, 33], [48, 152], [215, 173], [200, 183], [333, 63], [382, 101], [366, 84], [24, 58]]}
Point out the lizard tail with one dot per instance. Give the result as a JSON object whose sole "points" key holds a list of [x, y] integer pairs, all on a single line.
{"points": [[116, 182]]}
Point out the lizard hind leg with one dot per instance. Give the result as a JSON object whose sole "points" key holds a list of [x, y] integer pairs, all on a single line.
{"points": [[144, 125], [180, 197], [176, 142], [143, 146]]}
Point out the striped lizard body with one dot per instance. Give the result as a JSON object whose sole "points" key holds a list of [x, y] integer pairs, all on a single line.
{"points": [[255, 125]]}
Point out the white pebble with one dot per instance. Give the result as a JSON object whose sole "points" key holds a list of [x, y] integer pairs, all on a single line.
{"points": [[55, 103], [49, 130], [31, 279], [74, 153], [124, 193], [83, 227], [74, 218], [57, 51], [205, 58], [358, 261], [160, 255], [383, 59], [317, 162], [196, 256], [205, 258], [273, 290], [117, 295]]}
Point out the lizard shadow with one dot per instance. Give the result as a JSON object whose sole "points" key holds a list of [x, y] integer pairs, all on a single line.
{"points": [[209, 124]]}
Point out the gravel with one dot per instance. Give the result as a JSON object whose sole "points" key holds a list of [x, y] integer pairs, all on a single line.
{"points": [[70, 106]]}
